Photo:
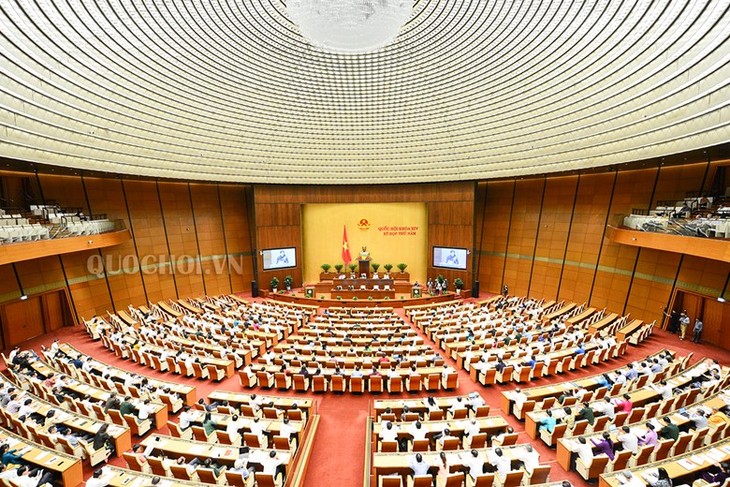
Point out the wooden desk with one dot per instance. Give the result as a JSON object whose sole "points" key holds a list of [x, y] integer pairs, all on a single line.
{"points": [[629, 329], [490, 425], [270, 425], [363, 294], [82, 389], [397, 463], [575, 320], [66, 466], [306, 404], [638, 397], [187, 393], [565, 445], [677, 467], [603, 322], [222, 454], [164, 306], [554, 390], [414, 405], [558, 313], [121, 477]]}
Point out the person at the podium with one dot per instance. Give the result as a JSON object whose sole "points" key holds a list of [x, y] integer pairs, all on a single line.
{"points": [[364, 254]]}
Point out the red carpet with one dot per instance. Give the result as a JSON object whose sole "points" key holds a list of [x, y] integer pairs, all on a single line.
{"points": [[338, 455]]}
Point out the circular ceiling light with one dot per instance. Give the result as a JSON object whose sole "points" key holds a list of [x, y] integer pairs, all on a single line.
{"points": [[350, 26]]}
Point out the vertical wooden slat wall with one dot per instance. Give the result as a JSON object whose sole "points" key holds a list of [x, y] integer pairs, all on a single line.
{"points": [[568, 256]]}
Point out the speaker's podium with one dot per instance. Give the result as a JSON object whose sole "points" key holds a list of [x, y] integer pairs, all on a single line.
{"points": [[364, 267]]}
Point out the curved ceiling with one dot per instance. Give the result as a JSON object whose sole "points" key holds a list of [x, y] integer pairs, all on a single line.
{"points": [[228, 90]]}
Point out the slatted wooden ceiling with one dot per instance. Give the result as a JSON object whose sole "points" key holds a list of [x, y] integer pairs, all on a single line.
{"points": [[228, 90]]}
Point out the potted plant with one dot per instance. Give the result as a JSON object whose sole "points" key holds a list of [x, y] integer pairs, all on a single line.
{"points": [[288, 282], [402, 267], [352, 267], [459, 285], [274, 284], [376, 267], [338, 268], [388, 267], [326, 268]]}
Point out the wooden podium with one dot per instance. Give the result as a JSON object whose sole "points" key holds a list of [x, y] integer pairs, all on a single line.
{"points": [[364, 267]]}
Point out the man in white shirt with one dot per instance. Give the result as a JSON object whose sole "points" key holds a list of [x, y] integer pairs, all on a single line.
{"points": [[475, 464], [418, 465], [258, 430], [457, 405], [627, 479], [519, 398], [446, 436], [417, 431], [530, 458], [287, 430], [584, 451], [100, 478], [664, 389], [629, 440], [389, 433], [234, 427], [145, 410], [605, 407], [501, 462], [471, 429], [475, 401], [271, 464], [186, 417]]}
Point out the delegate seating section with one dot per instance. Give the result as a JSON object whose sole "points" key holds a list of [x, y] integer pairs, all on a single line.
{"points": [[265, 425], [72, 432], [684, 469], [691, 438], [257, 422], [352, 350], [206, 338], [508, 339], [93, 371], [645, 397], [544, 397], [50, 383], [66, 469], [456, 427], [466, 417]]}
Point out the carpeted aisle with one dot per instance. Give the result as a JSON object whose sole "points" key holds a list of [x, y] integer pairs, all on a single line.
{"points": [[338, 454]]}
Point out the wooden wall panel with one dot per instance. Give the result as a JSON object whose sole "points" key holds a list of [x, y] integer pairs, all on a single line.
{"points": [[278, 225], [67, 191], [652, 285], [123, 273], [716, 317], [552, 237], [675, 181], [22, 320], [149, 236], [586, 236], [234, 205], [494, 233], [523, 234], [180, 226], [613, 279], [211, 238]]}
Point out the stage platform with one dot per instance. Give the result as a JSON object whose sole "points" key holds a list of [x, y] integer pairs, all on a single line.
{"points": [[399, 301]]}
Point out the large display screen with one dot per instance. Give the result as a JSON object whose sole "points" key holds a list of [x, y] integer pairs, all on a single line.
{"points": [[450, 258], [279, 258]]}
